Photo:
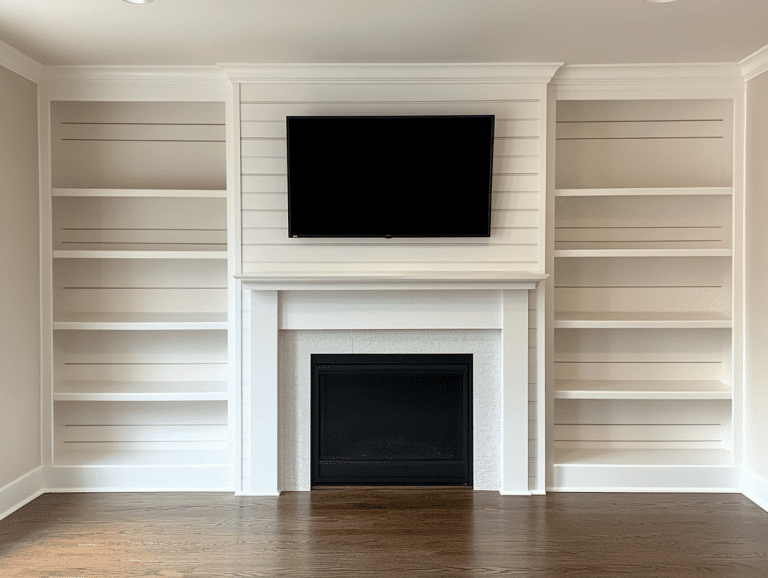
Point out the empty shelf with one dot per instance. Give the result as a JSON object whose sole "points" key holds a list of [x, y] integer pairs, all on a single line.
{"points": [[641, 389], [616, 457], [139, 254], [140, 321], [141, 391], [561, 253], [641, 319], [159, 193], [644, 192]]}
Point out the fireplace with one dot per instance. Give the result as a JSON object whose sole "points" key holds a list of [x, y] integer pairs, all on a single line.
{"points": [[288, 317], [391, 419]]}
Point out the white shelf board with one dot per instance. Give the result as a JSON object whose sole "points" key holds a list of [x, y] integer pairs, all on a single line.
{"points": [[141, 391], [617, 457], [140, 254], [644, 192], [158, 193], [643, 253], [641, 320], [641, 389], [74, 457], [140, 321]]}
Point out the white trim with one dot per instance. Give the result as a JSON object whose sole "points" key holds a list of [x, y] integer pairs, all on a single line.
{"points": [[392, 73], [647, 81], [622, 478], [136, 83], [21, 491], [18, 62], [644, 73], [754, 487], [182, 478], [755, 64]]}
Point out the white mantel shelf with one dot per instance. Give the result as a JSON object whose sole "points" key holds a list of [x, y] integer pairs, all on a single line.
{"points": [[392, 280]]}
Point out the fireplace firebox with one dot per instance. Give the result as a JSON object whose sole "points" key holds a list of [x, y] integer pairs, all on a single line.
{"points": [[391, 419]]}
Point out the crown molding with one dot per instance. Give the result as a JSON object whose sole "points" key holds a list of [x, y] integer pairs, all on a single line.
{"points": [[755, 64], [172, 82], [454, 73], [584, 74], [18, 62]]}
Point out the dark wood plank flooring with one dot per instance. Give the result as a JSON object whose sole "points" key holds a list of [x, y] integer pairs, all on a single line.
{"points": [[375, 532]]}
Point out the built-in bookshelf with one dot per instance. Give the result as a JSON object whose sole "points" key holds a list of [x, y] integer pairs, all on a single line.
{"points": [[643, 293], [139, 287]]}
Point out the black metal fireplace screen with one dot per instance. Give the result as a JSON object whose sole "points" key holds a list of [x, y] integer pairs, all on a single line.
{"points": [[391, 419]]}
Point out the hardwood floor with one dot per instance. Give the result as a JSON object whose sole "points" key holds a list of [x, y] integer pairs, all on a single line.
{"points": [[375, 532]]}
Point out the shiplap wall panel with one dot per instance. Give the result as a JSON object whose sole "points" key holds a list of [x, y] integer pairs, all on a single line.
{"points": [[119, 223], [517, 188], [602, 144], [643, 223], [647, 354], [138, 145], [99, 376], [516, 182]]}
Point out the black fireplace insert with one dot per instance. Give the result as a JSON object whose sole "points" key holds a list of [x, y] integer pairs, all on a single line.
{"points": [[391, 419]]}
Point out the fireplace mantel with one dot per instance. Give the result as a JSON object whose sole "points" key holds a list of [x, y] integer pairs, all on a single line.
{"points": [[386, 300], [391, 280]]}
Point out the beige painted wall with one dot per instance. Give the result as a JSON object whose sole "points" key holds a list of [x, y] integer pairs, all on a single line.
{"points": [[19, 279], [757, 275]]}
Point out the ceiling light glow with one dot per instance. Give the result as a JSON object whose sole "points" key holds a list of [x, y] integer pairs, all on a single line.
{"points": [[138, 1]]}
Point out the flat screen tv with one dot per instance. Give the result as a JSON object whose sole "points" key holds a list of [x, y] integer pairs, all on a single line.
{"points": [[390, 176]]}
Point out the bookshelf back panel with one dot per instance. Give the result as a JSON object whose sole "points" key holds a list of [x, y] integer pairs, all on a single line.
{"points": [[159, 145], [663, 143]]}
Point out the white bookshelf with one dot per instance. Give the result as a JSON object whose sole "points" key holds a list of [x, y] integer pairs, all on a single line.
{"points": [[642, 319], [139, 285]]}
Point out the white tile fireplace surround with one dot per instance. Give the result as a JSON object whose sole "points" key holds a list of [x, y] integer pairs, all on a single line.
{"points": [[293, 316]]}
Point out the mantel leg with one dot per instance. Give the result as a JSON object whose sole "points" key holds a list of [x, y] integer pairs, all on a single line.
{"points": [[514, 393], [264, 449]]}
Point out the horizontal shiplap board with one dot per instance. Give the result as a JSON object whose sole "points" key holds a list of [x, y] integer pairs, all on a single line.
{"points": [[616, 163], [279, 236], [502, 129], [642, 110], [279, 165], [503, 110], [140, 273], [269, 201], [644, 272], [139, 165], [144, 132], [682, 412], [96, 413], [525, 218], [279, 183], [638, 433], [353, 92], [372, 254], [644, 299], [141, 300], [139, 213], [144, 372], [275, 147], [144, 433], [708, 128], [127, 112]]}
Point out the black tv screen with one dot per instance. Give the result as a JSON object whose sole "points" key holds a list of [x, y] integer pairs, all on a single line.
{"points": [[389, 176]]}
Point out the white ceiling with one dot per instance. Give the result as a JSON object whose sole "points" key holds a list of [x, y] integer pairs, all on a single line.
{"points": [[201, 32]]}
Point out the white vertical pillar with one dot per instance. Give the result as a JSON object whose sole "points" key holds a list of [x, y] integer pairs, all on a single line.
{"points": [[264, 426], [514, 393]]}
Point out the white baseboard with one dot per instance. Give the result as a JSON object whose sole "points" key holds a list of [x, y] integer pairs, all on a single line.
{"points": [[754, 487], [21, 491], [139, 479], [591, 478]]}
